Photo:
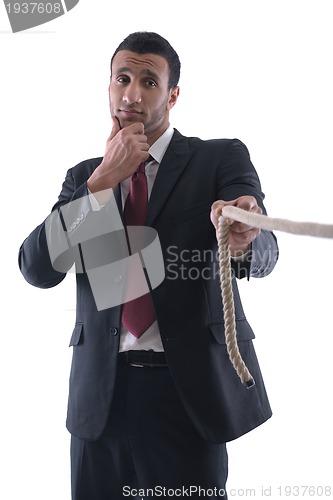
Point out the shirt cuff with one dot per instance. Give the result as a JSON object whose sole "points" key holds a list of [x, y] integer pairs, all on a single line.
{"points": [[241, 258]]}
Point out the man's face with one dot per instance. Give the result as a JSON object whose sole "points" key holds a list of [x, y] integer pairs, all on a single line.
{"points": [[139, 91]]}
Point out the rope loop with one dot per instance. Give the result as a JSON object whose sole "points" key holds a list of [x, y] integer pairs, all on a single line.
{"points": [[261, 222]]}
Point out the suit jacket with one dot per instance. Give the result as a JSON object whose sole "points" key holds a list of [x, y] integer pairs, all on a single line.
{"points": [[192, 175]]}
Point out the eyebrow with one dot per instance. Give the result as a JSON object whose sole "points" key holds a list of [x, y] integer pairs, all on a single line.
{"points": [[145, 72]]}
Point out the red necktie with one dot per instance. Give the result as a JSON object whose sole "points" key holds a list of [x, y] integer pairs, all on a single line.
{"points": [[138, 314]]}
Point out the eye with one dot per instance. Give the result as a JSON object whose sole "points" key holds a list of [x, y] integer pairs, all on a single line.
{"points": [[151, 83], [122, 79]]}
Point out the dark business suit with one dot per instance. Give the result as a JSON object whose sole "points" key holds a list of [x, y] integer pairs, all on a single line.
{"points": [[192, 175]]}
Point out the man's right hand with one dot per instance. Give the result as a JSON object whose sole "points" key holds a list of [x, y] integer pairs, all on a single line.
{"points": [[125, 149]]}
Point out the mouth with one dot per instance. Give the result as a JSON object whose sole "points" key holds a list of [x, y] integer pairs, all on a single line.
{"points": [[129, 112]]}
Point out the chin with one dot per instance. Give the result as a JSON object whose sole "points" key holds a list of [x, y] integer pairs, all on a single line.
{"points": [[132, 119]]}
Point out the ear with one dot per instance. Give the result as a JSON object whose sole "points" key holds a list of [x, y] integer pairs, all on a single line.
{"points": [[173, 96]]}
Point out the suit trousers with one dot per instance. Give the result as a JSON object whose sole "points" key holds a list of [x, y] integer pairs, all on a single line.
{"points": [[149, 448]]}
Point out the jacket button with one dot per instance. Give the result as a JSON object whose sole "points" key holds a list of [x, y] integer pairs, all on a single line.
{"points": [[113, 331]]}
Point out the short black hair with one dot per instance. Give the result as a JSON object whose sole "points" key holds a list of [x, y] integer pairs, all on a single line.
{"points": [[145, 42]]}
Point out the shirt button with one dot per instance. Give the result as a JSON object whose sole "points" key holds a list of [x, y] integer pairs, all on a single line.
{"points": [[113, 331], [118, 279]]}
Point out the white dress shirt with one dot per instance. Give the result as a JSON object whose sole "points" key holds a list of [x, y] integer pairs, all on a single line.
{"points": [[151, 338]]}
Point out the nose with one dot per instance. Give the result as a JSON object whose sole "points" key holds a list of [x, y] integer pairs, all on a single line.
{"points": [[132, 93]]}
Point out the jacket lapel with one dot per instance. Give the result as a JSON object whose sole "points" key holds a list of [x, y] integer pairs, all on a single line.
{"points": [[173, 164]]}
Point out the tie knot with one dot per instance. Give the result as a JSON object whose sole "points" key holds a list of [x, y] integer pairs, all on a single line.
{"points": [[141, 167]]}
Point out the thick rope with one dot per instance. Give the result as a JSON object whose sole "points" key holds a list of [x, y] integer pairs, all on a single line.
{"points": [[261, 222]]}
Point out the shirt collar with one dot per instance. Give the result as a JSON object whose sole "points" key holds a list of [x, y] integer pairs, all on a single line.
{"points": [[160, 146]]}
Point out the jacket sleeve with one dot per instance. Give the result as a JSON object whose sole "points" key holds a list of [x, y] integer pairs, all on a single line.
{"points": [[55, 246], [238, 177]]}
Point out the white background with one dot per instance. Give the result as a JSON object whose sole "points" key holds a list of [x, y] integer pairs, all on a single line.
{"points": [[257, 70]]}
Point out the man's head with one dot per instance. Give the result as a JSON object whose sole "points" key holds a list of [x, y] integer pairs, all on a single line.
{"points": [[143, 88], [144, 42]]}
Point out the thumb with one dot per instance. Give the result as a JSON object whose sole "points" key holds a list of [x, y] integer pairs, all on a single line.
{"points": [[115, 127], [217, 210]]}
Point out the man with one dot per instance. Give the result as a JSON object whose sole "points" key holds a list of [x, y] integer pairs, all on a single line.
{"points": [[153, 396]]}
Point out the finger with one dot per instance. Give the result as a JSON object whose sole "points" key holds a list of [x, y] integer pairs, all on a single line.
{"points": [[115, 127], [242, 227], [245, 238], [217, 207], [239, 227], [248, 203], [142, 138], [135, 128]]}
